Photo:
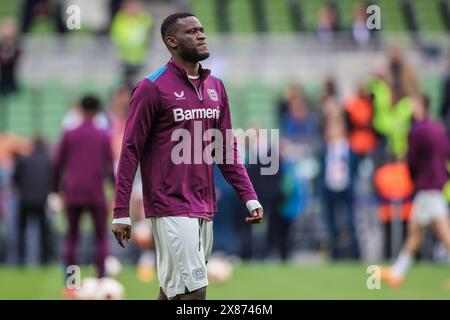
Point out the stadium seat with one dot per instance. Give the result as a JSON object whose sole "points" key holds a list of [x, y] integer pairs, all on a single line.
{"points": [[278, 17], [241, 16], [259, 103], [310, 9], [9, 9], [205, 10], [392, 18], [346, 9], [428, 16]]}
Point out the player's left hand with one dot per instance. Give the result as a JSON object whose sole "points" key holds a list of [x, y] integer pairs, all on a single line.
{"points": [[255, 216]]}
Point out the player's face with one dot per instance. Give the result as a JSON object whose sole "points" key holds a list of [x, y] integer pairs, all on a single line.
{"points": [[191, 40]]}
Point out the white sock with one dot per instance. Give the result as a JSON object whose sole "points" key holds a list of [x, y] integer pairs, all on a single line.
{"points": [[402, 264]]}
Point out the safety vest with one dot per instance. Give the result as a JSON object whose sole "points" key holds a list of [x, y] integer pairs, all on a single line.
{"points": [[393, 183], [362, 138]]}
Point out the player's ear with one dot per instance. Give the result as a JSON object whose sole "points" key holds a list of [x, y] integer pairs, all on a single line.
{"points": [[171, 42]]}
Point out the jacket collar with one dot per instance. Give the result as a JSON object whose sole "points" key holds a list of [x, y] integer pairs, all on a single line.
{"points": [[179, 70]]}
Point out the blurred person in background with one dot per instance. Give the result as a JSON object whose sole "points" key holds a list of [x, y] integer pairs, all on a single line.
{"points": [[392, 117], [404, 84], [403, 78], [82, 163], [330, 107], [327, 23], [130, 32], [359, 115], [268, 188], [338, 175], [32, 176], [298, 123], [299, 147], [74, 117], [9, 56], [11, 146], [429, 151], [360, 33], [33, 10], [117, 114]]}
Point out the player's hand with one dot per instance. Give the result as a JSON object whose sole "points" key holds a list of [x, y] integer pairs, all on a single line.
{"points": [[122, 232], [255, 216]]}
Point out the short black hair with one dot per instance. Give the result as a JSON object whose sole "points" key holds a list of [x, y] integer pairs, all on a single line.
{"points": [[90, 103], [170, 21]]}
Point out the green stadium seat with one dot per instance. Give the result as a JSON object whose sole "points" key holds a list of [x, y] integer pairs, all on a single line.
{"points": [[278, 17], [19, 116], [241, 16], [9, 8], [205, 10], [237, 113], [259, 103], [310, 10], [428, 16], [346, 11], [392, 19]]}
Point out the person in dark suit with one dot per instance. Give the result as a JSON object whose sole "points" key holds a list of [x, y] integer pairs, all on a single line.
{"points": [[32, 180]]}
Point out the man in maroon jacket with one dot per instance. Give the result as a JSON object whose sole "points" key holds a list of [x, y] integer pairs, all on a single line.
{"points": [[179, 196], [83, 161], [428, 153]]}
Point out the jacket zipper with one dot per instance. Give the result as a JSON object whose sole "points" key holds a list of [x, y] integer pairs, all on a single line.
{"points": [[199, 94]]}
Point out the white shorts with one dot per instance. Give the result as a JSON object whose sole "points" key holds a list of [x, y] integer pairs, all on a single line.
{"points": [[183, 246], [429, 206]]}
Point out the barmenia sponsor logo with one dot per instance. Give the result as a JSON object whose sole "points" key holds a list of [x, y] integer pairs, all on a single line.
{"points": [[192, 114]]}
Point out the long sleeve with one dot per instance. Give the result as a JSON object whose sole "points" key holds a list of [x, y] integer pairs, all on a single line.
{"points": [[144, 105], [234, 173]]}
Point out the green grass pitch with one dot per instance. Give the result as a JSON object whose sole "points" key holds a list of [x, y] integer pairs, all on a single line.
{"points": [[250, 281]]}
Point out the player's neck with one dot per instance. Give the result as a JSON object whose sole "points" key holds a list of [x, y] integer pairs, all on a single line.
{"points": [[192, 68]]}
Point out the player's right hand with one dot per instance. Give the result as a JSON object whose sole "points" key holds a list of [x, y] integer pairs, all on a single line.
{"points": [[255, 216], [121, 232]]}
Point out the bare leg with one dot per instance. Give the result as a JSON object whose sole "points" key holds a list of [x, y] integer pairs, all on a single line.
{"points": [[414, 238], [162, 295], [442, 228], [413, 242]]}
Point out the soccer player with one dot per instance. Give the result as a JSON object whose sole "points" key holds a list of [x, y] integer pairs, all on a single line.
{"points": [[84, 158], [179, 198], [429, 149]]}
